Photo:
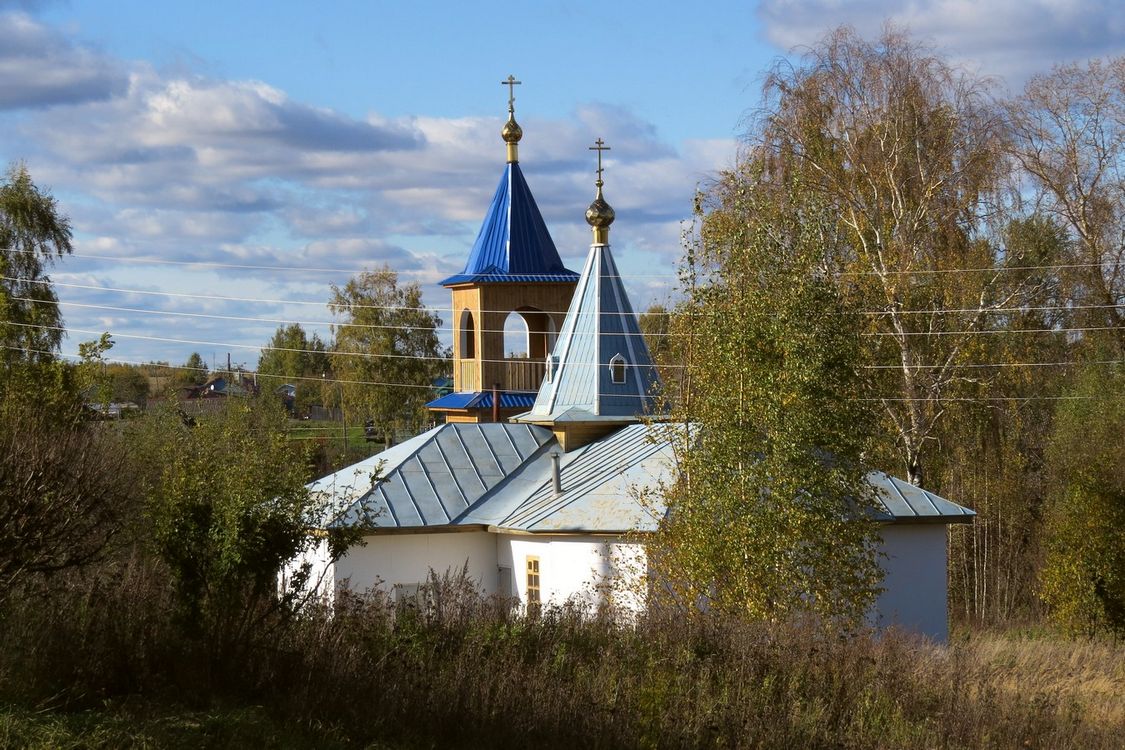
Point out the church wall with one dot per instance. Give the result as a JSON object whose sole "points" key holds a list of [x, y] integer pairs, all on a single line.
{"points": [[321, 571], [406, 559], [590, 570], [916, 579]]}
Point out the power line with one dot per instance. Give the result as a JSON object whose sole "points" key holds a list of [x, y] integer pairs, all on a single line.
{"points": [[334, 352], [223, 298], [164, 366], [453, 331], [372, 355], [356, 270]]}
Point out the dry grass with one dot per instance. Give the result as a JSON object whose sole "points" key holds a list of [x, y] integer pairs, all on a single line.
{"points": [[464, 671], [1090, 672]]}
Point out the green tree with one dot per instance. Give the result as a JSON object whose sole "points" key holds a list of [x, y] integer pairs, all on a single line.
{"points": [[32, 234], [294, 357], [386, 350], [771, 515], [1084, 576], [227, 506], [193, 372], [663, 341]]}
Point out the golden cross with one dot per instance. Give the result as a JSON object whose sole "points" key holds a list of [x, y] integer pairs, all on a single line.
{"points": [[599, 146], [511, 83]]}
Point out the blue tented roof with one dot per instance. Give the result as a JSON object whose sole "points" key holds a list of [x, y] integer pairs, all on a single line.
{"points": [[513, 244]]}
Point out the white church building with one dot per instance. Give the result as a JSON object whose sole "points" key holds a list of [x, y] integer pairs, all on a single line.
{"points": [[540, 482]]}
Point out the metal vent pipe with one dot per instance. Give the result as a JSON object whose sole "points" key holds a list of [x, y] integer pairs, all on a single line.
{"points": [[556, 474]]}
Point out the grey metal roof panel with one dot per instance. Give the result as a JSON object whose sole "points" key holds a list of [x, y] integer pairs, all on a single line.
{"points": [[906, 503], [601, 484], [599, 325], [500, 475], [342, 488], [434, 478]]}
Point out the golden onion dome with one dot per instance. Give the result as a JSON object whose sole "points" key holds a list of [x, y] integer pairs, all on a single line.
{"points": [[600, 213], [511, 132]]}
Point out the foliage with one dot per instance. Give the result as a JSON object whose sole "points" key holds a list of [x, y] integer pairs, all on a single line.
{"points": [[32, 234], [1084, 574], [908, 154], [386, 350], [64, 483], [193, 372], [662, 337], [772, 514], [227, 507], [292, 357], [101, 664], [1069, 138]]}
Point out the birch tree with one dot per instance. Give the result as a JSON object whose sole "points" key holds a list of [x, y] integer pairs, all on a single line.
{"points": [[771, 515], [1069, 136], [33, 233], [908, 153]]}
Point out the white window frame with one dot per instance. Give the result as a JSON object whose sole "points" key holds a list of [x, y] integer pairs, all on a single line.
{"points": [[618, 361]]}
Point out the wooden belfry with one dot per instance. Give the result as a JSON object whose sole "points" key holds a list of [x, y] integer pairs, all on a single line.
{"points": [[513, 267]]}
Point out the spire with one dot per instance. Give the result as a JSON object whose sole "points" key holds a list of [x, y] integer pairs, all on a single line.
{"points": [[512, 132], [513, 244], [600, 214], [600, 370]]}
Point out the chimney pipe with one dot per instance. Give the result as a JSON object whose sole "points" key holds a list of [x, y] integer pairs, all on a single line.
{"points": [[556, 474], [495, 402]]}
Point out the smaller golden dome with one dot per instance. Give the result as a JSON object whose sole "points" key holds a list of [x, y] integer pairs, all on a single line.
{"points": [[600, 214], [511, 132]]}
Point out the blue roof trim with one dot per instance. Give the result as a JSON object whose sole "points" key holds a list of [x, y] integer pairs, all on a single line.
{"points": [[513, 244], [502, 278], [483, 400]]}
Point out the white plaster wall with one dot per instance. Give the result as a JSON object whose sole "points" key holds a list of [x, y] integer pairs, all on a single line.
{"points": [[389, 559], [321, 571], [915, 585], [586, 569]]}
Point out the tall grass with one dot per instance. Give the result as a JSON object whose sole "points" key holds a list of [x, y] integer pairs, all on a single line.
{"points": [[462, 670]]}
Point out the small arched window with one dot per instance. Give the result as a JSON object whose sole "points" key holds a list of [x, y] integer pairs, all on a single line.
{"points": [[617, 369]]}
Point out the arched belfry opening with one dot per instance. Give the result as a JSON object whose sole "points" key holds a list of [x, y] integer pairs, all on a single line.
{"points": [[467, 336], [516, 335], [539, 330], [529, 334]]}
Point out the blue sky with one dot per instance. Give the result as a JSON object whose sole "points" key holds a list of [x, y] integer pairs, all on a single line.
{"points": [[288, 136]]}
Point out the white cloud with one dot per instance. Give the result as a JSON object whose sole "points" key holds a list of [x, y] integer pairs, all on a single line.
{"points": [[41, 68], [179, 167], [1013, 39]]}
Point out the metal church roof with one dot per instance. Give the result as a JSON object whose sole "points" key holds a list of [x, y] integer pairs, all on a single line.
{"points": [[513, 244], [600, 328], [434, 478], [906, 503], [500, 476]]}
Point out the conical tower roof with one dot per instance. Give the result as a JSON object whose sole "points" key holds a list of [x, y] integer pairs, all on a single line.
{"points": [[601, 369], [513, 244]]}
